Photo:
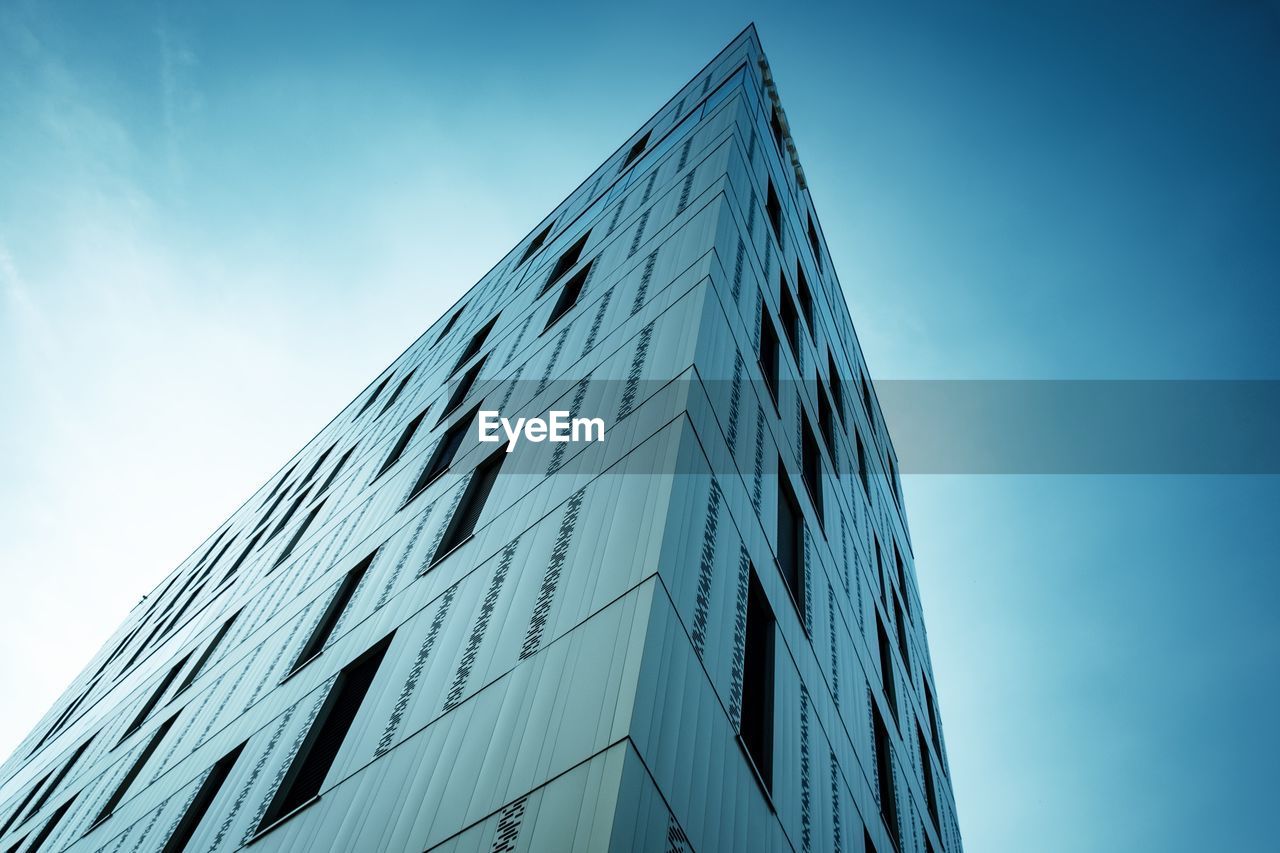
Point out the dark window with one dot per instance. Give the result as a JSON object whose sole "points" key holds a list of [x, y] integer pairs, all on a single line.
{"points": [[363, 408], [311, 765], [902, 577], [244, 555], [203, 660], [462, 389], [13, 818], [635, 152], [316, 467], [406, 436], [298, 534], [884, 775], [442, 456], [816, 244], [811, 466], [933, 719], [837, 385], [790, 320], [827, 426], [566, 262], [49, 826], [775, 125], [463, 523], [773, 208], [123, 787], [395, 395], [886, 667], [868, 845], [448, 327], [57, 780], [266, 516], [328, 481], [930, 795], [536, 243], [474, 345], [862, 463], [904, 648], [769, 354], [893, 478], [866, 399], [320, 634], [790, 540], [156, 696], [288, 516], [195, 812], [806, 297], [568, 295], [756, 727]]}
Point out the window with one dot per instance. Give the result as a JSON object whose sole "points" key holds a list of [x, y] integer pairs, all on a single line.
{"points": [[305, 776], [151, 703], [364, 408], [779, 134], [806, 297], [463, 523], [442, 456], [320, 634], [448, 327], [569, 295], [837, 385], [756, 727], [244, 555], [57, 780], [204, 797], [868, 846], [811, 465], [902, 578], [316, 467], [462, 389], [769, 354], [328, 481], [13, 818], [886, 667], [790, 320], [862, 463], [566, 262], [203, 660], [884, 775], [866, 399], [933, 718], [298, 534], [930, 795], [774, 211], [406, 436], [904, 648], [536, 243], [474, 345], [50, 825], [826, 425], [635, 152], [288, 516], [395, 395], [123, 787], [790, 540], [816, 243]]}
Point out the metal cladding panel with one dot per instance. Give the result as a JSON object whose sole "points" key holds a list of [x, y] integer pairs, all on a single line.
{"points": [[568, 676]]}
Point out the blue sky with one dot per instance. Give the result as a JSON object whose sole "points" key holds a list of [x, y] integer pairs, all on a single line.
{"points": [[215, 228]]}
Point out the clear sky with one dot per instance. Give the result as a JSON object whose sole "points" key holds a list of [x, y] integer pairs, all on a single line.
{"points": [[215, 228]]}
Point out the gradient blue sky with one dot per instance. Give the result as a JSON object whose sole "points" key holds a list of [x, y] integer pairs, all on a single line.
{"points": [[216, 227]]}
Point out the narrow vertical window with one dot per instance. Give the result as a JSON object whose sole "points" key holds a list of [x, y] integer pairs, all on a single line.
{"points": [[866, 400], [463, 523], [773, 208], [57, 780], [316, 467], [933, 718], [320, 634], [199, 806], [153, 701], [811, 466], [50, 826], [826, 426], [636, 151], [926, 764], [568, 295], [12, 820], [305, 777], [756, 727], [463, 388], [790, 540], [442, 457], [244, 555], [886, 667], [134, 769], [364, 407], [395, 395], [806, 298], [397, 449], [474, 345], [902, 577], [448, 327], [207, 655], [862, 462], [779, 134], [816, 244], [536, 243], [769, 354], [288, 516], [298, 534], [837, 385], [333, 475], [904, 647], [566, 262], [790, 320], [884, 775]]}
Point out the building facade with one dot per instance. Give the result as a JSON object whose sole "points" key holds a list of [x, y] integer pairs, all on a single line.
{"points": [[699, 633]]}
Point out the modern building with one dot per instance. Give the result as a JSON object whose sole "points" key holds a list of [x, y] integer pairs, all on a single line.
{"points": [[702, 632]]}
